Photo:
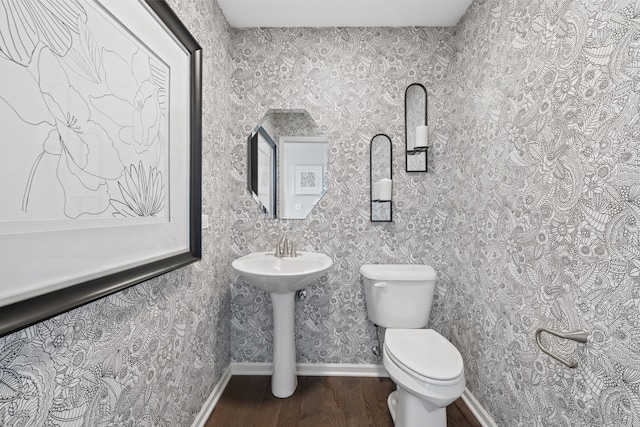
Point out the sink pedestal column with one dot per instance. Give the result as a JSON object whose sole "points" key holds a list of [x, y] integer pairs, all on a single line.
{"points": [[283, 380]]}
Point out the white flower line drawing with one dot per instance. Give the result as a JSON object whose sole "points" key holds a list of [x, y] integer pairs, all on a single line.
{"points": [[76, 139], [135, 101], [142, 195], [88, 159]]}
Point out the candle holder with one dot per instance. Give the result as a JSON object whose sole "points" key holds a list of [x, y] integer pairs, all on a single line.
{"points": [[416, 127], [381, 179]]}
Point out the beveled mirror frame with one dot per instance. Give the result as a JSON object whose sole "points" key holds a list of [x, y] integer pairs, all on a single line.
{"points": [[301, 150], [416, 159], [253, 170]]}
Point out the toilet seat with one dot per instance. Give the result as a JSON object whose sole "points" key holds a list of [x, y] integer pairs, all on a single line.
{"points": [[424, 354]]}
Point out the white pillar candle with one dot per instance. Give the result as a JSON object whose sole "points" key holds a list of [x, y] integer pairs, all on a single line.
{"points": [[411, 141], [376, 191], [385, 189], [422, 136]]}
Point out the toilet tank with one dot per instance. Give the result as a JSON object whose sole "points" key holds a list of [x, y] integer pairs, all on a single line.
{"points": [[399, 295]]}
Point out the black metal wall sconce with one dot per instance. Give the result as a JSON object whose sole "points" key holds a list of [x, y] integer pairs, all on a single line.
{"points": [[416, 131], [381, 178]]}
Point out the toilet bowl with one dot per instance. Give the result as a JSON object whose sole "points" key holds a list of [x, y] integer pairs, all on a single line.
{"points": [[429, 375], [427, 369]]}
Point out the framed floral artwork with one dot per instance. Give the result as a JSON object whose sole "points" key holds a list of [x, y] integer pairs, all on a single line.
{"points": [[100, 103]]}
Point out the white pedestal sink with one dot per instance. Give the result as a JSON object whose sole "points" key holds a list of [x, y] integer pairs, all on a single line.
{"points": [[282, 278]]}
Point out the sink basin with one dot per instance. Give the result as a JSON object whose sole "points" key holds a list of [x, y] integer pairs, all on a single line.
{"points": [[282, 275]]}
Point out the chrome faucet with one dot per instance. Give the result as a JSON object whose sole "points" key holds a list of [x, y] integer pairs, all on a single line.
{"points": [[285, 248], [282, 248]]}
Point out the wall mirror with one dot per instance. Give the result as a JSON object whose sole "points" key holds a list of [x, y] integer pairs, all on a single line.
{"points": [[287, 164], [415, 125], [381, 179], [262, 176]]}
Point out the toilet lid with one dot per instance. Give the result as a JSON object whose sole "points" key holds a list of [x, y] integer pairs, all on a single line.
{"points": [[425, 352]]}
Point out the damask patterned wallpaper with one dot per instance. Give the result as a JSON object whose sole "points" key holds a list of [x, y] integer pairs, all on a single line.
{"points": [[152, 354], [529, 212], [546, 170], [352, 83]]}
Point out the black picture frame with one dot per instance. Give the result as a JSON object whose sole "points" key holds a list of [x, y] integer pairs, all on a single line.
{"points": [[26, 312]]}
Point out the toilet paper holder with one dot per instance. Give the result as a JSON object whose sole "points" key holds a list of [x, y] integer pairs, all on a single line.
{"points": [[578, 336]]}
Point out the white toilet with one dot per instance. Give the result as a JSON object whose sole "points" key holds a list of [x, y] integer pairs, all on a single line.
{"points": [[425, 366]]}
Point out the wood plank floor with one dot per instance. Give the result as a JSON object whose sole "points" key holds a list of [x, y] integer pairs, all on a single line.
{"points": [[318, 402]]}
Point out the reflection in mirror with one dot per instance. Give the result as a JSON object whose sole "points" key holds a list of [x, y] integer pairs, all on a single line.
{"points": [[262, 170], [303, 174], [415, 116], [381, 179], [300, 167]]}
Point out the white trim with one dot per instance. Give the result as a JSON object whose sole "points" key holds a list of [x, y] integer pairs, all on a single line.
{"points": [[314, 369], [477, 409], [250, 368], [204, 414], [343, 13]]}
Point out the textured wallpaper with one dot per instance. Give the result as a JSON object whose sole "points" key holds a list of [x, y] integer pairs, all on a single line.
{"points": [[352, 83], [150, 355], [545, 156], [529, 212]]}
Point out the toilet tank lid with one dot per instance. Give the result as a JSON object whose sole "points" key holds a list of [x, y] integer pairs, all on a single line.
{"points": [[411, 272]]}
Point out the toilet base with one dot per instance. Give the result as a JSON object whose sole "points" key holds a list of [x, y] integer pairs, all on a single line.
{"points": [[408, 410]]}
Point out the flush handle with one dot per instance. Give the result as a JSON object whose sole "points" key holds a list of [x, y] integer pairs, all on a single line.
{"points": [[380, 284]]}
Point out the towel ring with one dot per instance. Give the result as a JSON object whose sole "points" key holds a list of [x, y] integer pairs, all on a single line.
{"points": [[578, 336]]}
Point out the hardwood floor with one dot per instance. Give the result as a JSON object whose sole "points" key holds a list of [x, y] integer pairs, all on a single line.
{"points": [[318, 402]]}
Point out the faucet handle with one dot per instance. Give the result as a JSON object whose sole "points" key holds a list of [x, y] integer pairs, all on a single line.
{"points": [[285, 248]]}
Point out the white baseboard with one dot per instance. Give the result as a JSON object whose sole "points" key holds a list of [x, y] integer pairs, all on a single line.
{"points": [[477, 409], [322, 370], [313, 369], [210, 403]]}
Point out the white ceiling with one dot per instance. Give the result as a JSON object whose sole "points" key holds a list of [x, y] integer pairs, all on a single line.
{"points": [[343, 13]]}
